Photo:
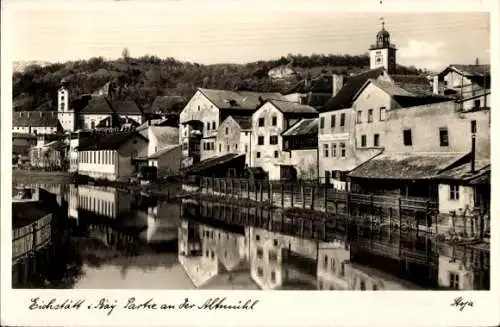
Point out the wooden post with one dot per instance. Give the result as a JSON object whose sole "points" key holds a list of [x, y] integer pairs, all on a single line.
{"points": [[291, 194], [261, 187], [248, 189], [282, 195], [324, 230], [270, 193], [302, 227], [302, 195], [325, 198], [312, 197]]}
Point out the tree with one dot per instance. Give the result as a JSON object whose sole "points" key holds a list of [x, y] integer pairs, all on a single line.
{"points": [[125, 54]]}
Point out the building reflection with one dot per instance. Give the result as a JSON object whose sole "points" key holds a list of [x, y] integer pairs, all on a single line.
{"points": [[215, 239]]}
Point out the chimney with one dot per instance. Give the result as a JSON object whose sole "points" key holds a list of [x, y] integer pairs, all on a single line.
{"points": [[338, 83], [473, 147], [435, 84], [477, 61]]}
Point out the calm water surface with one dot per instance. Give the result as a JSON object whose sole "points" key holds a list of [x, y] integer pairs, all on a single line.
{"points": [[120, 240]]}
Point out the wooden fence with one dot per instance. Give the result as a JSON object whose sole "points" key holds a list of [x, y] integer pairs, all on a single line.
{"points": [[28, 239], [419, 213]]}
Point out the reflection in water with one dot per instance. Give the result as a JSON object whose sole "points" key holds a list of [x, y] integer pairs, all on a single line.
{"points": [[125, 240]]}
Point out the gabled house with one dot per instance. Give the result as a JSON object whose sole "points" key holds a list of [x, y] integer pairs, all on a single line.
{"points": [[110, 155], [204, 112], [234, 135], [268, 123], [301, 143], [35, 122], [463, 81], [314, 91]]}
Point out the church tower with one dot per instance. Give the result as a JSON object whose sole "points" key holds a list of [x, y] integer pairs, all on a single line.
{"points": [[65, 114], [383, 53]]}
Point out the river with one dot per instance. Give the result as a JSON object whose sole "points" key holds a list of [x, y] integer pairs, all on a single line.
{"points": [[120, 240]]}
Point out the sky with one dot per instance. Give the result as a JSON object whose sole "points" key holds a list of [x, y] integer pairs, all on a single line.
{"points": [[424, 40]]}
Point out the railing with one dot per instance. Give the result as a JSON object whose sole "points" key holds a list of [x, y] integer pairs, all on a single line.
{"points": [[312, 195], [30, 238]]}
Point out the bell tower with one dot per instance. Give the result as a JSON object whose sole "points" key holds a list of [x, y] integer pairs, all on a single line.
{"points": [[65, 113], [383, 53]]}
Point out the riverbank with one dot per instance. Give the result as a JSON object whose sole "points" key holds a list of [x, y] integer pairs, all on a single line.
{"points": [[40, 177]]}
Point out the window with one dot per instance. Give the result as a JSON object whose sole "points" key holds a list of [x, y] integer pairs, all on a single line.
{"points": [[443, 136], [342, 269], [322, 122], [473, 126], [332, 264], [374, 287], [213, 125], [275, 120], [220, 147], [236, 146], [358, 117], [362, 285], [454, 281], [273, 139], [382, 113], [454, 192], [332, 120], [228, 148], [342, 150], [260, 140], [276, 154], [227, 130], [260, 272], [272, 256], [376, 140], [407, 137], [208, 126], [370, 115], [273, 276], [261, 122], [246, 148], [325, 148], [477, 103], [334, 150], [260, 253], [363, 141], [325, 265], [342, 119], [258, 154], [275, 242]]}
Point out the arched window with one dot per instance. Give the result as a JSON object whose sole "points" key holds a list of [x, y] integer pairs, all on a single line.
{"points": [[92, 124]]}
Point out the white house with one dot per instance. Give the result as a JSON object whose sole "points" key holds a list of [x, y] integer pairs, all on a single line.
{"points": [[35, 122], [109, 156], [268, 123]]}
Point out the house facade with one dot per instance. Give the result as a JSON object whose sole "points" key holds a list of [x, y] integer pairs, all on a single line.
{"points": [[233, 136], [110, 156], [203, 114], [35, 122], [268, 123]]}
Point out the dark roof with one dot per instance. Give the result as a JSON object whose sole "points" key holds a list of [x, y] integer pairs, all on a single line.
{"points": [[406, 165], [166, 103], [416, 84], [320, 84], [106, 141], [245, 122], [211, 162], [344, 98], [288, 107], [35, 119], [160, 153], [26, 212], [125, 107], [463, 172], [23, 136], [116, 122], [470, 70], [97, 105], [303, 127], [224, 99]]}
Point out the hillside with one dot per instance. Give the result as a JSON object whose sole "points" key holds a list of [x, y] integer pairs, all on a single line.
{"points": [[142, 79]]}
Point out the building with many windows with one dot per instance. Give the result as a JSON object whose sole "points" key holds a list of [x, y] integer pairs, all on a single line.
{"points": [[268, 123]]}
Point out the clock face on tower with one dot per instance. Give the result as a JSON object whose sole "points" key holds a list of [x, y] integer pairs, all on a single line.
{"points": [[378, 59]]}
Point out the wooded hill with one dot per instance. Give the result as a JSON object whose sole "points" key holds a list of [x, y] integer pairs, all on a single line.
{"points": [[142, 79]]}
